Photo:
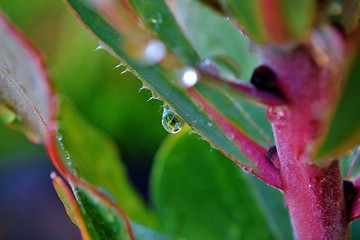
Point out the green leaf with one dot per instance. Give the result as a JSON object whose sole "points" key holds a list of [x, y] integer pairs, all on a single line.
{"points": [[248, 14], [70, 204], [144, 233], [157, 16], [96, 218], [344, 129], [162, 77], [24, 88], [103, 220], [355, 229], [199, 194], [273, 21], [220, 39], [299, 17], [93, 157]]}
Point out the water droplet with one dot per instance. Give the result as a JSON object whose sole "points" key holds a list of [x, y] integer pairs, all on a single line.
{"points": [[231, 136], [154, 52], [276, 114], [222, 67], [156, 20], [188, 77], [59, 137], [210, 124], [67, 155], [246, 169], [226, 18], [171, 122], [53, 175]]}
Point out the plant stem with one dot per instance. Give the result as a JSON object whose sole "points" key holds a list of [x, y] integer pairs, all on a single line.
{"points": [[314, 194], [315, 199]]}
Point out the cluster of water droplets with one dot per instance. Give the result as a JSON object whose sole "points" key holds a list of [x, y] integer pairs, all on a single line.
{"points": [[66, 155], [171, 121]]}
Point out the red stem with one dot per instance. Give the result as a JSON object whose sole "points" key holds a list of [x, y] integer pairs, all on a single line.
{"points": [[314, 194], [257, 154], [248, 90]]}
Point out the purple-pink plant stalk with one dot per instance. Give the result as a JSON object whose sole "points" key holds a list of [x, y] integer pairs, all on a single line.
{"points": [[308, 81]]}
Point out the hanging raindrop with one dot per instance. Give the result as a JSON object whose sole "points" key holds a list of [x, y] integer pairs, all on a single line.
{"points": [[171, 122]]}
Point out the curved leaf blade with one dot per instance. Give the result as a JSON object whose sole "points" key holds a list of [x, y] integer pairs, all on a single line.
{"points": [[70, 204], [96, 218], [92, 156], [273, 21], [24, 86], [225, 199], [157, 16], [182, 26], [344, 127]]}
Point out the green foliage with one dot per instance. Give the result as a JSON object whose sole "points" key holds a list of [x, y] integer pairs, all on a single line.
{"points": [[344, 130], [200, 194], [197, 192], [92, 156]]}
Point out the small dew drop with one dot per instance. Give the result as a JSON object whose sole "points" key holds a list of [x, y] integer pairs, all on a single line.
{"points": [[210, 124], [226, 18], [188, 77], [231, 136], [276, 114], [53, 175], [59, 137], [156, 20], [67, 155], [246, 169], [171, 122], [154, 52]]}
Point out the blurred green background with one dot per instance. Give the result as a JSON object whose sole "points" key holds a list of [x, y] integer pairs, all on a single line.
{"points": [[108, 100]]}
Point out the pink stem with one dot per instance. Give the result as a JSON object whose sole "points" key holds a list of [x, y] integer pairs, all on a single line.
{"points": [[257, 154], [314, 194]]}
